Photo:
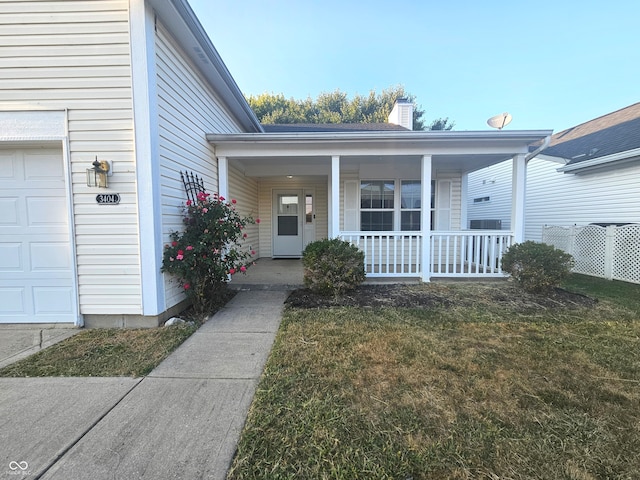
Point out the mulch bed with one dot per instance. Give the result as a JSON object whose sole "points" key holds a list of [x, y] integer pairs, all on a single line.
{"points": [[441, 295]]}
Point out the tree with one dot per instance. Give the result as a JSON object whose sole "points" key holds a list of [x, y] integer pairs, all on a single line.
{"points": [[335, 107]]}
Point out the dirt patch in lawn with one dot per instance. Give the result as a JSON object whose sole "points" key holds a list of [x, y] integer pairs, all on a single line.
{"points": [[443, 295]]}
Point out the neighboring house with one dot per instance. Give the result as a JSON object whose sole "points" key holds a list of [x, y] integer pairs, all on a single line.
{"points": [[138, 84], [588, 174]]}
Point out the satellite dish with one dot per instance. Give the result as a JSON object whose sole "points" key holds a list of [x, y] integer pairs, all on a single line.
{"points": [[500, 121]]}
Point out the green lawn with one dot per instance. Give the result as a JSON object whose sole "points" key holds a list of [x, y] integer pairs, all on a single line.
{"points": [[477, 389]]}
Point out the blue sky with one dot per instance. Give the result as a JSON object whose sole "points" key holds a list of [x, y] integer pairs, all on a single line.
{"points": [[551, 64]]}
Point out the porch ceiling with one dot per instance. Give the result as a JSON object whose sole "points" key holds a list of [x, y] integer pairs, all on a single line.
{"points": [[321, 165]]}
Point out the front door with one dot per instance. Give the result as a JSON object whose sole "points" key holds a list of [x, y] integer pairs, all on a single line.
{"points": [[288, 214]]}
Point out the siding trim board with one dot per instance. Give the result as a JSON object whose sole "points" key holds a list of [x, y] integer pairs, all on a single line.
{"points": [[145, 110]]}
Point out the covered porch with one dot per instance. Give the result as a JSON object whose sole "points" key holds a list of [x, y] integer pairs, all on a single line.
{"points": [[372, 189]]}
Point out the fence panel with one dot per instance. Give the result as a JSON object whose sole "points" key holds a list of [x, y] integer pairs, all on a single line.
{"points": [[607, 252]]}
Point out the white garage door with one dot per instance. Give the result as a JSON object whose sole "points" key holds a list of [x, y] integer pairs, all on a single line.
{"points": [[36, 274]]}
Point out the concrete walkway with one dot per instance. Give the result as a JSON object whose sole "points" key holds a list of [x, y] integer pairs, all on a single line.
{"points": [[181, 421]]}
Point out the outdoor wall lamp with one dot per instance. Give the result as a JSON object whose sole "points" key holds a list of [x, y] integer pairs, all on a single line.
{"points": [[97, 176]]}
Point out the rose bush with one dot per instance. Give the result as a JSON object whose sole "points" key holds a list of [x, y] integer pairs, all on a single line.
{"points": [[208, 250]]}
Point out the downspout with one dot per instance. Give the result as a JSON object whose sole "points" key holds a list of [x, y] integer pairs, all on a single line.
{"points": [[545, 144]]}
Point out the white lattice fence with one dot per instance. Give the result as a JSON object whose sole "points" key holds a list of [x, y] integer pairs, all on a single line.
{"points": [[626, 254], [608, 252], [559, 237], [589, 250]]}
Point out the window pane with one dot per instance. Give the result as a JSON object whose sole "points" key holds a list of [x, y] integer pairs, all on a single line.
{"points": [[410, 221], [433, 194], [309, 208], [376, 221], [411, 194], [376, 194], [287, 225]]}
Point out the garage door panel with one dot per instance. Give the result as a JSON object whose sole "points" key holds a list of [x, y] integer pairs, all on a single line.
{"points": [[52, 300], [11, 257], [49, 256], [46, 211], [12, 300], [38, 167], [8, 164], [9, 211]]}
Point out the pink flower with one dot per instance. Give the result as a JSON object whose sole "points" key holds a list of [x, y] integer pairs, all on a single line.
{"points": [[243, 269], [257, 220], [179, 257], [233, 200], [221, 198], [253, 252], [189, 247], [174, 244], [202, 196], [232, 271], [186, 286], [244, 235], [189, 202], [205, 210]]}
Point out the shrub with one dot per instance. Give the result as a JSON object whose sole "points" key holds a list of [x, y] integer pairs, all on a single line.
{"points": [[537, 267], [208, 250], [332, 267]]}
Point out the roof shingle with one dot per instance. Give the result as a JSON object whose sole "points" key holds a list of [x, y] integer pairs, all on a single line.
{"points": [[615, 132]]}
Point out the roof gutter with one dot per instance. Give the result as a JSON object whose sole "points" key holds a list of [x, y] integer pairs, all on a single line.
{"points": [[628, 155], [297, 137], [545, 144]]}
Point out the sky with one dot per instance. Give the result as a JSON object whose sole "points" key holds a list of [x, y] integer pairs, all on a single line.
{"points": [[550, 64]]}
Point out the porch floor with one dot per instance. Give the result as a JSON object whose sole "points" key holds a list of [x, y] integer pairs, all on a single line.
{"points": [[287, 274]]}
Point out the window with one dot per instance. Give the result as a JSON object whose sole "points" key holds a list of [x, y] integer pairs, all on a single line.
{"points": [[410, 205], [377, 205], [384, 208]]}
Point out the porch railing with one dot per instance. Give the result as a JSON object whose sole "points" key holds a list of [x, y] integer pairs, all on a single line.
{"points": [[469, 253], [388, 254]]}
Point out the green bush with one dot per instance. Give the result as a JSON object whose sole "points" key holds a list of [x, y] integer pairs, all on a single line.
{"points": [[537, 267], [332, 267]]}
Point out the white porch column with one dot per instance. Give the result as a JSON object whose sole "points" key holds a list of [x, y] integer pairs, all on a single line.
{"points": [[464, 187], [223, 177], [425, 217], [334, 197], [519, 183]]}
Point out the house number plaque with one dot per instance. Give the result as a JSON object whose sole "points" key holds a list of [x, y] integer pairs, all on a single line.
{"points": [[108, 198]]}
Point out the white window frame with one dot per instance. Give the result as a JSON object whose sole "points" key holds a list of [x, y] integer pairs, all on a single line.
{"points": [[397, 202]]}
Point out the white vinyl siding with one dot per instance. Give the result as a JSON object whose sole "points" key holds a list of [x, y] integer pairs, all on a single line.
{"points": [[556, 198], [74, 55], [493, 182], [245, 191], [188, 109]]}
